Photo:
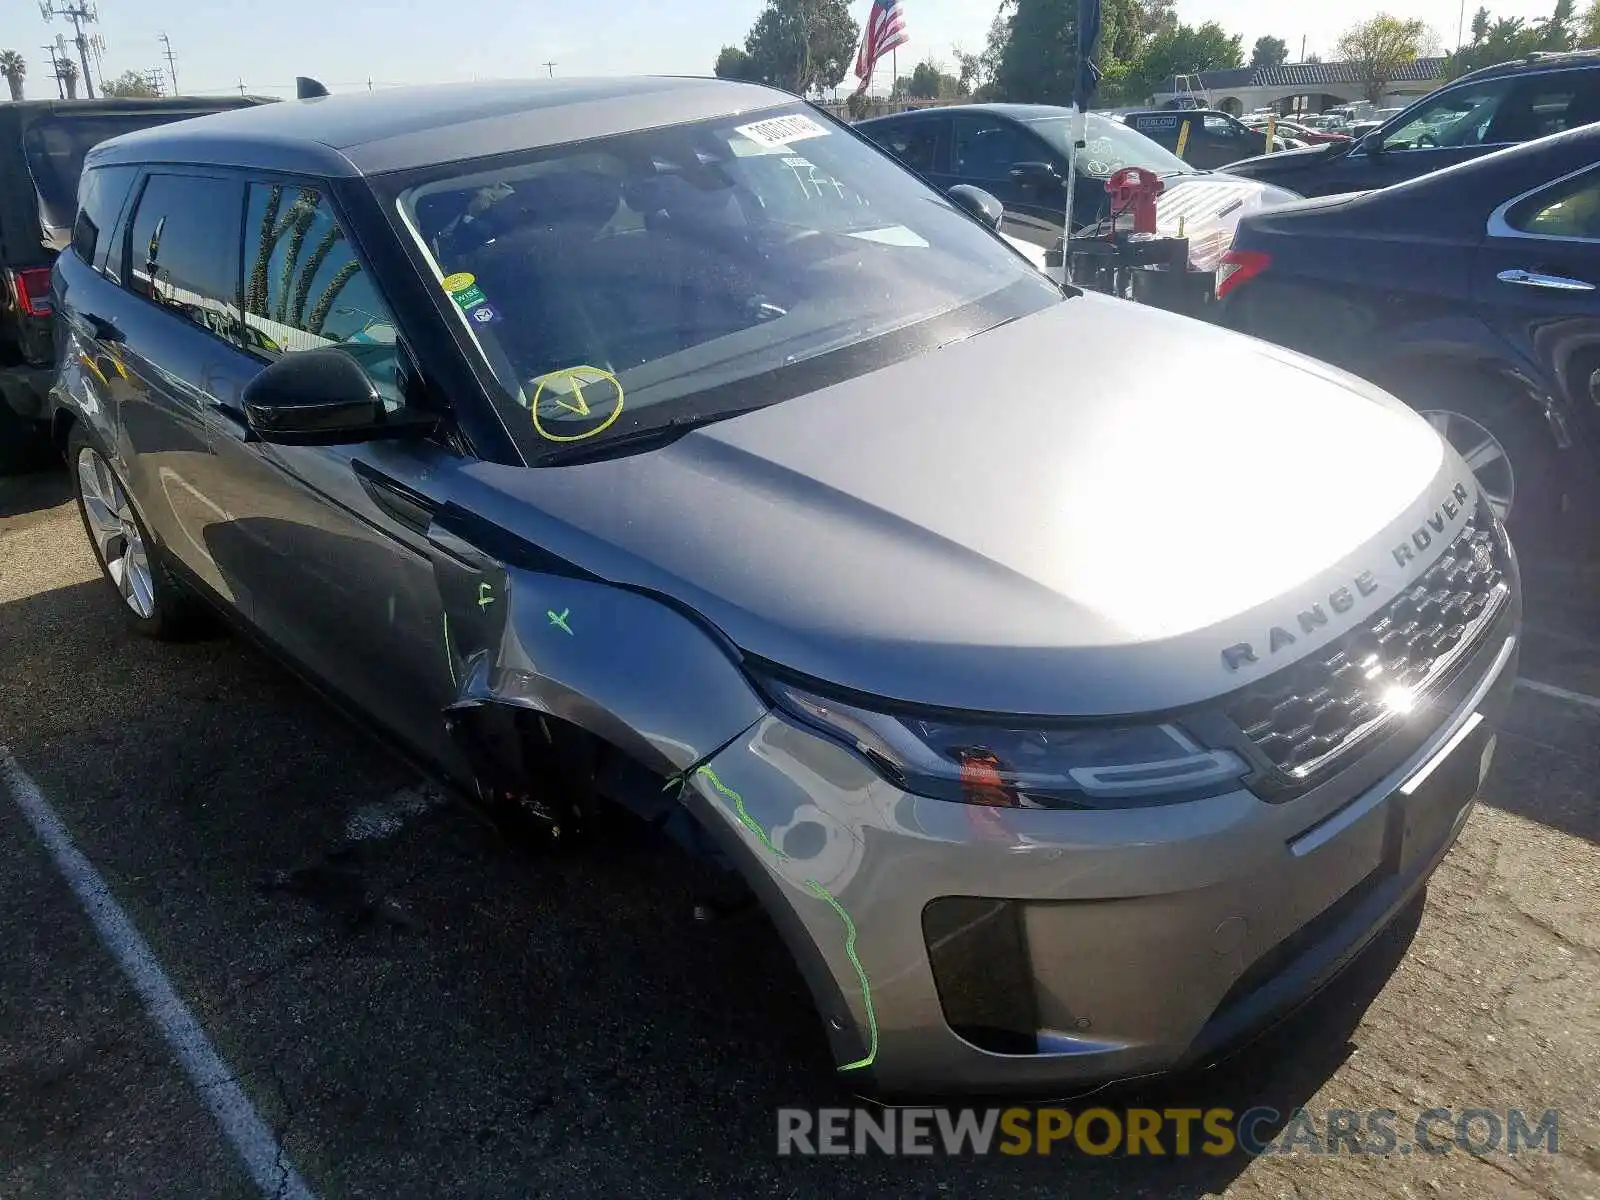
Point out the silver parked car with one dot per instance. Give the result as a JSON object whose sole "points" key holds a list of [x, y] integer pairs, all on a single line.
{"points": [[1077, 686]]}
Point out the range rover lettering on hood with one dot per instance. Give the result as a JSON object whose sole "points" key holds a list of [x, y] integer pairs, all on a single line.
{"points": [[1342, 599]]}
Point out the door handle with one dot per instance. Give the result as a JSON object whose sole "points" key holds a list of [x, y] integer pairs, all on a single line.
{"points": [[1550, 283]]}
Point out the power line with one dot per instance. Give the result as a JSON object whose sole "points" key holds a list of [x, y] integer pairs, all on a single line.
{"points": [[172, 65]]}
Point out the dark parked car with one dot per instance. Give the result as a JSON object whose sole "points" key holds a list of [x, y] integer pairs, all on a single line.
{"points": [[1483, 111], [1214, 139], [1471, 293], [660, 446], [42, 144], [1019, 154]]}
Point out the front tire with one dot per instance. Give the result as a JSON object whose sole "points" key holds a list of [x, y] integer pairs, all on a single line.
{"points": [[154, 603]]}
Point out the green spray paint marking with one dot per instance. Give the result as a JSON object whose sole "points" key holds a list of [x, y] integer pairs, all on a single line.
{"points": [[561, 621], [484, 597], [821, 893]]}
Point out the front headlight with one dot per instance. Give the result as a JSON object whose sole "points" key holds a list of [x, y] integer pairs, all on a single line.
{"points": [[1025, 766]]}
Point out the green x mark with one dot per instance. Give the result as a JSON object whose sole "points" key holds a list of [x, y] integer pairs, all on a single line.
{"points": [[560, 622]]}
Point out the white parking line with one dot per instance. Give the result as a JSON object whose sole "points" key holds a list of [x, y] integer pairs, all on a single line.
{"points": [[1560, 693], [252, 1138]]}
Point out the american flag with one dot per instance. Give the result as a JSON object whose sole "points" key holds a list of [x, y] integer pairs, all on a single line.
{"points": [[886, 29]]}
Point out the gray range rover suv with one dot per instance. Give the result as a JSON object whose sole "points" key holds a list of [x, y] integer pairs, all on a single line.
{"points": [[1077, 686]]}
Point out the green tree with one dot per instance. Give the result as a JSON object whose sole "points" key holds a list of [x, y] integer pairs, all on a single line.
{"points": [[1379, 47], [799, 45], [927, 82], [1588, 26], [1183, 50], [15, 68], [1269, 52], [1037, 64], [128, 85], [733, 63], [1496, 40], [67, 73]]}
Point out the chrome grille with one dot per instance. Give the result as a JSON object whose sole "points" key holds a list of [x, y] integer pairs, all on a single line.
{"points": [[1309, 715]]}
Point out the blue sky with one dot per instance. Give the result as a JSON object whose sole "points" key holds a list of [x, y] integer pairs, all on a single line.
{"points": [[344, 42]]}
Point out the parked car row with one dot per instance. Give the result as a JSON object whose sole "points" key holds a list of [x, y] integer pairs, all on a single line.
{"points": [[660, 446]]}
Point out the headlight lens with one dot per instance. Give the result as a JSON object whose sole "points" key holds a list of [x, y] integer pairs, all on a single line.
{"points": [[1037, 766]]}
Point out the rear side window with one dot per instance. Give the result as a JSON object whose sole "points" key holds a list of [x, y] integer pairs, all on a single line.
{"points": [[101, 195], [988, 149], [183, 249], [915, 143], [1569, 209]]}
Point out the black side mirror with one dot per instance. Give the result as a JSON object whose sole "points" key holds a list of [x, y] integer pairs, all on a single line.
{"points": [[321, 398], [1371, 143], [978, 204]]}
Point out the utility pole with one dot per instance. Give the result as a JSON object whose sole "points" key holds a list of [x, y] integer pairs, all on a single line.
{"points": [[1461, 26], [1302, 47], [55, 72], [172, 65], [79, 14], [241, 87], [550, 66]]}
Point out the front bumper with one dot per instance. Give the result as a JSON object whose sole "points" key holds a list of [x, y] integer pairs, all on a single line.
{"points": [[1134, 941]]}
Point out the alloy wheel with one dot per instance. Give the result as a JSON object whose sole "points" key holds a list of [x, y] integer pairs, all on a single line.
{"points": [[115, 533], [1483, 452]]}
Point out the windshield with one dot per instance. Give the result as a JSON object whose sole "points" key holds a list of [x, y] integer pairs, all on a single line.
{"points": [[1109, 146], [674, 274]]}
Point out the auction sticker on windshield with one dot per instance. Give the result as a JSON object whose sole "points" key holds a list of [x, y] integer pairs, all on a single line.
{"points": [[775, 133], [573, 395]]}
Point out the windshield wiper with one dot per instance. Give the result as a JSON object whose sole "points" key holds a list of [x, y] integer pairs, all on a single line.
{"points": [[635, 441]]}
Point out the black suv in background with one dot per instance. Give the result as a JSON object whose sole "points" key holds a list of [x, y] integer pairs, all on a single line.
{"points": [[42, 146], [1484, 110]]}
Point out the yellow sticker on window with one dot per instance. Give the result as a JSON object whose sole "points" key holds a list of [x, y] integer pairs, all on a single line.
{"points": [[459, 282], [576, 392]]}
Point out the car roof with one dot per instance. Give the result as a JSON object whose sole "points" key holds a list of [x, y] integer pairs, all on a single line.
{"points": [[368, 133], [1539, 61], [1014, 112]]}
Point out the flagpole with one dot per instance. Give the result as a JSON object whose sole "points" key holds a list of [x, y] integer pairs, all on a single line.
{"points": [[1079, 130]]}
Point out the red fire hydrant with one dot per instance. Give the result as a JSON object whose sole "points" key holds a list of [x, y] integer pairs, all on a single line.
{"points": [[1134, 189]]}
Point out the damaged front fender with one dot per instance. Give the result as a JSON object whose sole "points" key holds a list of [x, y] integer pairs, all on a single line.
{"points": [[526, 630]]}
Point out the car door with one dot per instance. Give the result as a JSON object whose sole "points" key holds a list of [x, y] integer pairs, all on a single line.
{"points": [[172, 348], [330, 542], [1537, 280], [1017, 167]]}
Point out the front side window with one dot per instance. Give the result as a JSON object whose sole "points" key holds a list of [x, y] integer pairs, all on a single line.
{"points": [[183, 249], [1458, 117], [305, 288], [1569, 209], [616, 284], [988, 149]]}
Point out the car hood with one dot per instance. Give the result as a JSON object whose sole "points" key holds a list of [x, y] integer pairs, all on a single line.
{"points": [[1288, 161], [1074, 513]]}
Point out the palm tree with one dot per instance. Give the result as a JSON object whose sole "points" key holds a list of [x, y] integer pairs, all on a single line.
{"points": [[302, 289], [319, 314], [255, 295], [301, 213], [67, 73], [15, 70]]}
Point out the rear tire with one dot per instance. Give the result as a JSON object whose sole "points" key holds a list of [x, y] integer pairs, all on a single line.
{"points": [[152, 601]]}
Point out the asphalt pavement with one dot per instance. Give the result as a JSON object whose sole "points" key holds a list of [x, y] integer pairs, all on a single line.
{"points": [[414, 1006]]}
